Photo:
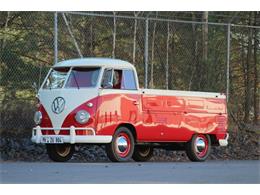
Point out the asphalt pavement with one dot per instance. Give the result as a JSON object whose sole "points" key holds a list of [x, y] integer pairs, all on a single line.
{"points": [[247, 171]]}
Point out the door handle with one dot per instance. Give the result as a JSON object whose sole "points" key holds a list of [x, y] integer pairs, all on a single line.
{"points": [[136, 103]]}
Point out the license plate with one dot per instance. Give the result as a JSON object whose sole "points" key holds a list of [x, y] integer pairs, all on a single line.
{"points": [[52, 140]]}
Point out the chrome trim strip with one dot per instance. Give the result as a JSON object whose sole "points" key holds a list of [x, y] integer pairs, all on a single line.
{"points": [[98, 139]]}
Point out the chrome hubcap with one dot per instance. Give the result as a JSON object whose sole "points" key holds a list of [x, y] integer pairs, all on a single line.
{"points": [[200, 145], [63, 150], [122, 144]]}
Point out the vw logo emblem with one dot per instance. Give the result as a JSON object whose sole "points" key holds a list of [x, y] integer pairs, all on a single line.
{"points": [[58, 105]]}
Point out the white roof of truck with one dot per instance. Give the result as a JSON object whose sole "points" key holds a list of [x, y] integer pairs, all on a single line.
{"points": [[106, 62]]}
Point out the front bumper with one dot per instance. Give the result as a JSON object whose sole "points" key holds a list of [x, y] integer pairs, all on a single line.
{"points": [[224, 142], [72, 138]]}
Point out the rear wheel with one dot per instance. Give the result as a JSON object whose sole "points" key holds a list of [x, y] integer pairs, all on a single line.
{"points": [[60, 152], [122, 146], [198, 148], [142, 153]]}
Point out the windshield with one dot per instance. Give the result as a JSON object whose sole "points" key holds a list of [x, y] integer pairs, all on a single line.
{"points": [[83, 77], [78, 77], [56, 78]]}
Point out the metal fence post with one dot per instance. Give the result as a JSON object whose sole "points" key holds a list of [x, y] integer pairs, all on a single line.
{"points": [[55, 38], [167, 56], [146, 52], [228, 60]]}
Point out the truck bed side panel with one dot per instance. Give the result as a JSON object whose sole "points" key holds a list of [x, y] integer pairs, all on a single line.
{"points": [[177, 118]]}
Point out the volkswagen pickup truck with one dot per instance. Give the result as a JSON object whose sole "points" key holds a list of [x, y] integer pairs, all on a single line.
{"points": [[98, 101]]}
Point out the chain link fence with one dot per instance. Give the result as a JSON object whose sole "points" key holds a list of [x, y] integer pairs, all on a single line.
{"points": [[97, 36], [168, 54], [184, 56]]}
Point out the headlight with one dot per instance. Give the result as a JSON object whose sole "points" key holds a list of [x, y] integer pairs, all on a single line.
{"points": [[82, 116], [38, 117]]}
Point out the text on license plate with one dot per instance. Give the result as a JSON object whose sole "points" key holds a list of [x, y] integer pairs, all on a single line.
{"points": [[52, 140]]}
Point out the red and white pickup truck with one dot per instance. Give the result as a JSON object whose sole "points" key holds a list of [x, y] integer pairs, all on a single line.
{"points": [[98, 101]]}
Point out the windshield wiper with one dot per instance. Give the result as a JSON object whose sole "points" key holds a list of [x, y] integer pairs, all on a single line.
{"points": [[75, 78]]}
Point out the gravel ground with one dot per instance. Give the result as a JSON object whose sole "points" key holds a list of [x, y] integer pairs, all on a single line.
{"points": [[242, 145]]}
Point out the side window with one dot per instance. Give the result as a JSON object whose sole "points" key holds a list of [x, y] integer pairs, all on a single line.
{"points": [[107, 79], [128, 81], [112, 83], [117, 79]]}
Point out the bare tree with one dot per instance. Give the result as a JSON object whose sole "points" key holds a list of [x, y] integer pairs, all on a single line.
{"points": [[88, 37], [91, 37], [114, 35], [256, 82], [247, 72], [68, 24], [152, 57], [135, 30], [205, 36], [172, 56], [195, 52]]}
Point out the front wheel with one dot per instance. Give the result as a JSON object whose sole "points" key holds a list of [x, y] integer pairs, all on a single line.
{"points": [[142, 153], [122, 146], [198, 148], [60, 152]]}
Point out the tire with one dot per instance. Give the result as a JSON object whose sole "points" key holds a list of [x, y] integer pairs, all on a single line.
{"points": [[142, 153], [122, 146], [198, 148], [60, 152]]}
